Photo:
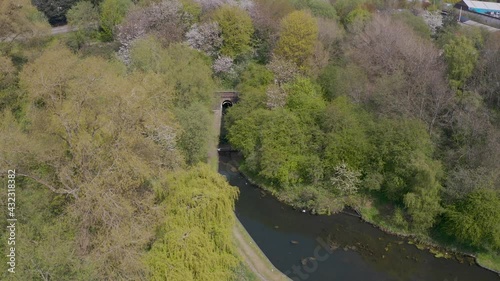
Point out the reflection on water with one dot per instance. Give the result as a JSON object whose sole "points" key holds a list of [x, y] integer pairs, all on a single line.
{"points": [[337, 247]]}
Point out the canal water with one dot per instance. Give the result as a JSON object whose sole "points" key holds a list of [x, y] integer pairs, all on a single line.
{"points": [[336, 247]]}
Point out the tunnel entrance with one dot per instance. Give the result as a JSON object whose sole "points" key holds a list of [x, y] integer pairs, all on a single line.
{"points": [[223, 132], [225, 105], [226, 100]]}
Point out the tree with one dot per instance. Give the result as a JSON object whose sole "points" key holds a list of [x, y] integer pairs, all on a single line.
{"points": [[487, 72], [357, 19], [346, 136], [196, 238], [7, 72], [18, 18], [205, 37], [349, 80], [54, 10], [266, 16], [276, 97], [166, 20], [461, 56], [195, 122], [422, 202], [299, 31], [320, 9], [273, 143], [104, 140], [209, 5], [41, 216], [417, 23], [403, 167], [112, 13], [184, 69], [474, 220], [284, 70], [344, 7], [345, 180], [329, 33], [406, 71], [400, 144], [319, 60], [84, 16], [237, 29], [255, 76], [305, 100]]}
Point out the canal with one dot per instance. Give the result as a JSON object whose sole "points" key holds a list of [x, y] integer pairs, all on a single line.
{"points": [[336, 247]]}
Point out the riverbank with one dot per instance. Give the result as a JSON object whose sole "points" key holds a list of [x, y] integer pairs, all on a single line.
{"points": [[488, 261], [253, 257]]}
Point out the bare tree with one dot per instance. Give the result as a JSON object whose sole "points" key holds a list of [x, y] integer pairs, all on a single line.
{"points": [[406, 70], [486, 76]]}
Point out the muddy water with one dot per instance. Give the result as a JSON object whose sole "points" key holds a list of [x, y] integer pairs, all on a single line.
{"points": [[337, 247]]}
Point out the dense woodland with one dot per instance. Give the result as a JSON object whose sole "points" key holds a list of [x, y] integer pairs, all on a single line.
{"points": [[372, 104]]}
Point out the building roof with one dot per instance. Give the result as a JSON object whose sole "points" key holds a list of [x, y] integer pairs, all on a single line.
{"points": [[482, 5]]}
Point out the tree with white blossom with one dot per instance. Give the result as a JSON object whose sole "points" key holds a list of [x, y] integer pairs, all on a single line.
{"points": [[223, 65], [345, 179], [166, 20], [205, 37]]}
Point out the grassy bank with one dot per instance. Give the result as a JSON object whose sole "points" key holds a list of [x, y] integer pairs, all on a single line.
{"points": [[259, 266]]}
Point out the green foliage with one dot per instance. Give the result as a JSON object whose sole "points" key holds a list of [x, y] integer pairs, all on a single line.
{"points": [[461, 56], [474, 220], [190, 72], [299, 31], [415, 22], [20, 18], [193, 9], [305, 100], [344, 7], [7, 73], [103, 138], [85, 17], [38, 219], [237, 29], [111, 14], [399, 220], [346, 139], [357, 17], [274, 144], [196, 242], [328, 80], [196, 124], [398, 144], [92, 133], [148, 55], [255, 76], [181, 67], [349, 80], [318, 8], [422, 203]]}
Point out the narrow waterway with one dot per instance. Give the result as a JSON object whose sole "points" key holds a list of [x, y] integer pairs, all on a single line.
{"points": [[337, 247]]}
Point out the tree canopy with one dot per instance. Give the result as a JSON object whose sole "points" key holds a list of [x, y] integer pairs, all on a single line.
{"points": [[237, 29], [299, 32]]}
